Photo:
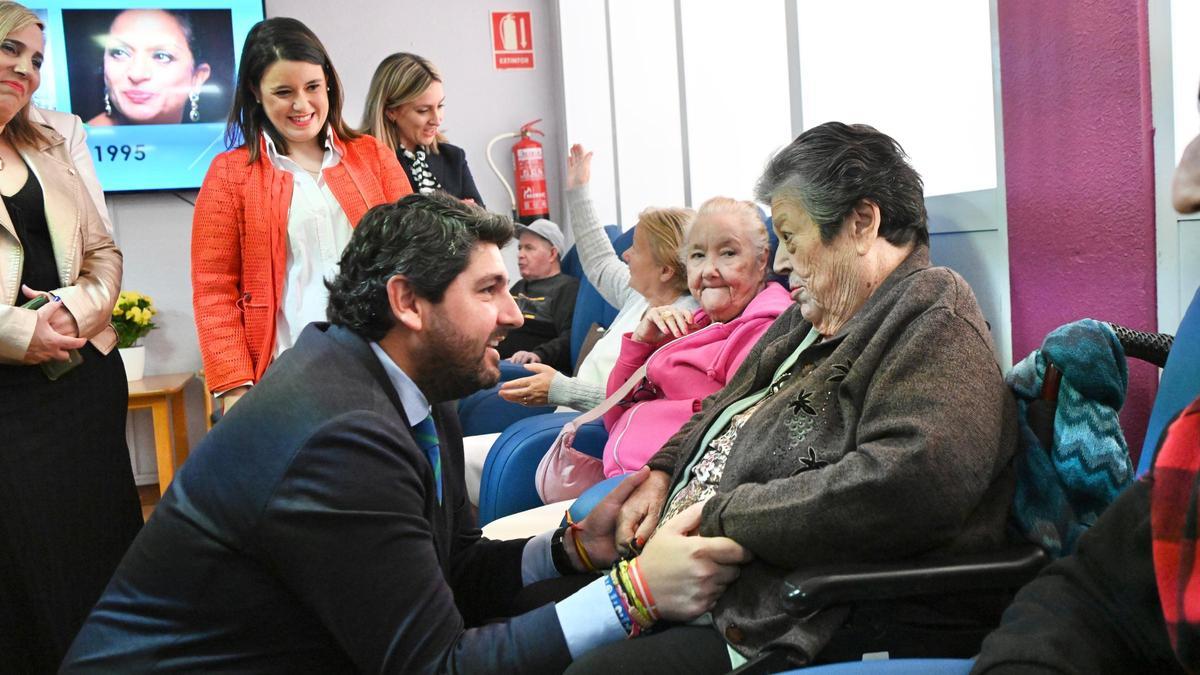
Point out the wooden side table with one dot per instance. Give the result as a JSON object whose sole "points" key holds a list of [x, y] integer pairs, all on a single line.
{"points": [[163, 395]]}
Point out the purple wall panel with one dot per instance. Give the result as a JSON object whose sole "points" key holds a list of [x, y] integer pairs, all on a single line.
{"points": [[1079, 167]]}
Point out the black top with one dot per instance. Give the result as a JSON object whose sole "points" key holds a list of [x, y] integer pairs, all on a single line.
{"points": [[27, 211], [1096, 611], [449, 167], [548, 305]]}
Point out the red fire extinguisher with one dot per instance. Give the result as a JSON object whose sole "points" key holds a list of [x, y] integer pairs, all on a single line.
{"points": [[529, 201]]}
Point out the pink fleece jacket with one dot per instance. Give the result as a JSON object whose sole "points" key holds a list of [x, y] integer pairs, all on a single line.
{"points": [[680, 375]]}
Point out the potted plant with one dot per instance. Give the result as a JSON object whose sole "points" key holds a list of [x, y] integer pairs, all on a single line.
{"points": [[131, 317]]}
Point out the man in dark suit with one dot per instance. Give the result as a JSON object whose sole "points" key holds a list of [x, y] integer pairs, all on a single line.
{"points": [[323, 525]]}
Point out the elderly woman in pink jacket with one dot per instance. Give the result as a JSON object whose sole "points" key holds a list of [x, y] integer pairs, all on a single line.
{"points": [[690, 356]]}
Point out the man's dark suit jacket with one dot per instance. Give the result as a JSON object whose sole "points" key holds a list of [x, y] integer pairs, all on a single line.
{"points": [[304, 535]]}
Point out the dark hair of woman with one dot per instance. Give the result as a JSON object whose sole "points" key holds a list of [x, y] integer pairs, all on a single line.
{"points": [[269, 41]]}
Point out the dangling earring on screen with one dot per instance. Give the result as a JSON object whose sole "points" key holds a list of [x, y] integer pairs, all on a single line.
{"points": [[194, 114], [107, 104]]}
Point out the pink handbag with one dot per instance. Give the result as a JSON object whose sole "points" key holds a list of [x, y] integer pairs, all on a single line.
{"points": [[564, 472]]}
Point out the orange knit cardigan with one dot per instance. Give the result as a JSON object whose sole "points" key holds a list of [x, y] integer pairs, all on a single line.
{"points": [[239, 247]]}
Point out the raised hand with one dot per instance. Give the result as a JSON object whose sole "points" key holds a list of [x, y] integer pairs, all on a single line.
{"points": [[579, 167]]}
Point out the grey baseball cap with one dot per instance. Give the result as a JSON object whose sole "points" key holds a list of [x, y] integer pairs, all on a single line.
{"points": [[546, 230]]}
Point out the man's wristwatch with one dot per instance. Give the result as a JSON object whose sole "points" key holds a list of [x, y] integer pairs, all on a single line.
{"points": [[558, 553]]}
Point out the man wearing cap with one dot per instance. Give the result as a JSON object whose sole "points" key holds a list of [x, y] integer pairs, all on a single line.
{"points": [[546, 298]]}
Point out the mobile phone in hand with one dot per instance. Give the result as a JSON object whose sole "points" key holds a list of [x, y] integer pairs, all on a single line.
{"points": [[55, 369]]}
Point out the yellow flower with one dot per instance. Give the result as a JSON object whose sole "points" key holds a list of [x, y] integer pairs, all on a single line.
{"points": [[117, 311], [132, 313]]}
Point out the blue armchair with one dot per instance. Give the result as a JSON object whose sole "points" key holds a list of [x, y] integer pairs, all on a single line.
{"points": [[1180, 382], [517, 453]]}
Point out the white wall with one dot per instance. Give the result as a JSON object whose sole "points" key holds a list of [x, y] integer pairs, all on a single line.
{"points": [[154, 229]]}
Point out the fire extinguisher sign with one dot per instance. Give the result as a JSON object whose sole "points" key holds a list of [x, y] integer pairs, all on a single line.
{"points": [[512, 40]]}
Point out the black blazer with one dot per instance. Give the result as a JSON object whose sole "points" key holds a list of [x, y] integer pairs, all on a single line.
{"points": [[449, 166], [304, 535]]}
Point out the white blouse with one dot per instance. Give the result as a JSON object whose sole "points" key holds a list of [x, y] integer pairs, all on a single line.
{"points": [[318, 231]]}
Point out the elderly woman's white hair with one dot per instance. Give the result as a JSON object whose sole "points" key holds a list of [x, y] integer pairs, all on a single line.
{"points": [[745, 211]]}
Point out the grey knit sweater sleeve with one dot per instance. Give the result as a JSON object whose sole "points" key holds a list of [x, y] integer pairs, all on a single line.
{"points": [[607, 272], [573, 393]]}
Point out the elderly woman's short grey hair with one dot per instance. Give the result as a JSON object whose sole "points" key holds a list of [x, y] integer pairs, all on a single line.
{"points": [[747, 213], [832, 167]]}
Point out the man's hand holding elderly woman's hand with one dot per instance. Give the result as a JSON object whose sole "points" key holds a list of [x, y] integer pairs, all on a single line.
{"points": [[639, 513], [686, 573]]}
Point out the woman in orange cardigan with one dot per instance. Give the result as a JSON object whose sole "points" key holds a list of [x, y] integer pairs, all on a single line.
{"points": [[275, 212]]}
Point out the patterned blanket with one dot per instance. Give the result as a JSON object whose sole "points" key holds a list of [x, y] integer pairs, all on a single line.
{"points": [[1061, 490]]}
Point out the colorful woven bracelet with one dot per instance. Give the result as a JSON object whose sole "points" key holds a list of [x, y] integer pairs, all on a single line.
{"points": [[643, 590], [636, 622], [637, 608], [579, 547], [619, 607]]}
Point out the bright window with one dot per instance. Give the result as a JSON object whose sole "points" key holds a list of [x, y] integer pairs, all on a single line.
{"points": [[738, 103], [920, 72], [645, 72]]}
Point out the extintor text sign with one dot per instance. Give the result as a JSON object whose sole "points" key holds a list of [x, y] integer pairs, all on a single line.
{"points": [[512, 40]]}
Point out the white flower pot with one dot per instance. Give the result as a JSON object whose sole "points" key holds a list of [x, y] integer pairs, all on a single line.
{"points": [[135, 362]]}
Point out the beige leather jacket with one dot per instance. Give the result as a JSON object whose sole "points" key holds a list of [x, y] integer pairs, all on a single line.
{"points": [[89, 263]]}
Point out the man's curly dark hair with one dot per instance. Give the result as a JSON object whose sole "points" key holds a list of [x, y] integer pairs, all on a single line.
{"points": [[427, 238]]}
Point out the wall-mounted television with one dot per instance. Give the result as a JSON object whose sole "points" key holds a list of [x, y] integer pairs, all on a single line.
{"points": [[152, 82]]}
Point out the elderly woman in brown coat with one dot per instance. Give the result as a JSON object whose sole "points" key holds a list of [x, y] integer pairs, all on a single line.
{"points": [[870, 423]]}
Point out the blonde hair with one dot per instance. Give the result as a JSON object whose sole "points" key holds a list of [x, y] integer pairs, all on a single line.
{"points": [[665, 230], [748, 213], [20, 131], [400, 78]]}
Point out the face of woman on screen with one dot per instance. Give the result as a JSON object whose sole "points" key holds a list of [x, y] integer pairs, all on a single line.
{"points": [[295, 97], [20, 69], [149, 69], [418, 120]]}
